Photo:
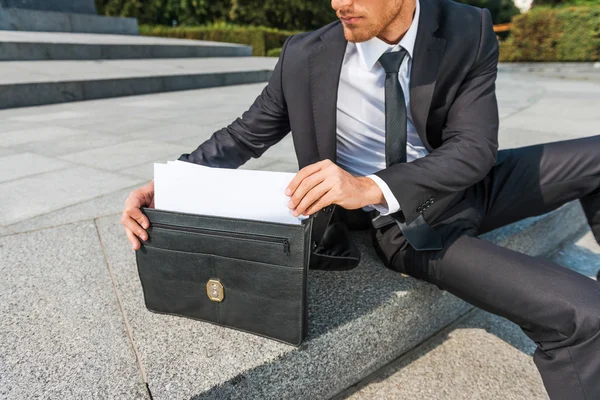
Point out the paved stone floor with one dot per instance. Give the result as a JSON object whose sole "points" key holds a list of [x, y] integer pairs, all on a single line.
{"points": [[63, 328]]}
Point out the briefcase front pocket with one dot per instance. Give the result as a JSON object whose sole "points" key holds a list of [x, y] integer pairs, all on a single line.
{"points": [[253, 281], [262, 248], [260, 298]]}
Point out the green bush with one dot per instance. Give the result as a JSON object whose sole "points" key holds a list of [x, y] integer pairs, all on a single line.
{"points": [[565, 3], [260, 38], [167, 12], [554, 34], [274, 52], [283, 14], [280, 14]]}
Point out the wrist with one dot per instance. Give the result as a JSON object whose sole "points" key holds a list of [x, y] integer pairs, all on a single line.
{"points": [[372, 192]]}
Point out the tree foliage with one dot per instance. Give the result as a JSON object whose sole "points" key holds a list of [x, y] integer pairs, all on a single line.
{"points": [[554, 34], [283, 14], [167, 12], [297, 15]]}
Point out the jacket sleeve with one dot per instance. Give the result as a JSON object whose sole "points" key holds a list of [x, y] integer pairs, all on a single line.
{"points": [[264, 124], [469, 138]]}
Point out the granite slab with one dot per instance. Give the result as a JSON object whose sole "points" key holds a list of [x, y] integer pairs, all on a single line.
{"points": [[25, 164], [31, 196], [481, 356], [61, 329], [125, 154], [17, 19], [176, 351], [582, 254], [70, 144], [36, 134], [30, 46], [359, 320], [107, 204]]}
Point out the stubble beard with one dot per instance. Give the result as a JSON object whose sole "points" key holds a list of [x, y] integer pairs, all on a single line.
{"points": [[364, 33]]}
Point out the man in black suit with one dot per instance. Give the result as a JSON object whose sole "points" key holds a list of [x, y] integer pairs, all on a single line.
{"points": [[394, 115]]}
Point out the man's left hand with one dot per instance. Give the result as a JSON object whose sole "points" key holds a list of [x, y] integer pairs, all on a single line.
{"points": [[321, 184]]}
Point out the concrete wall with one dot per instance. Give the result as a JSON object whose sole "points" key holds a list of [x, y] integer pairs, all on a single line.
{"points": [[17, 19], [69, 6]]}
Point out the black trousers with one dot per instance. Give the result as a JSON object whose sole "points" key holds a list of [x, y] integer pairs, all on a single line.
{"points": [[559, 309]]}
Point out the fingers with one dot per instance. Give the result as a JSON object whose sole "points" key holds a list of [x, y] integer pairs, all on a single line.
{"points": [[135, 243], [303, 173], [133, 229], [312, 199], [133, 219], [139, 217], [318, 205], [305, 187]]}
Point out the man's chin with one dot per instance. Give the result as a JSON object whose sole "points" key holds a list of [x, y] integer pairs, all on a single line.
{"points": [[356, 35]]}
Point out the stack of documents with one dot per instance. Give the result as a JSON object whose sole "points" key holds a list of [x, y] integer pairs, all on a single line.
{"points": [[191, 188]]}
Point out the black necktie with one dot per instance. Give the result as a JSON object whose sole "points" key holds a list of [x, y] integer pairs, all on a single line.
{"points": [[418, 233], [395, 108]]}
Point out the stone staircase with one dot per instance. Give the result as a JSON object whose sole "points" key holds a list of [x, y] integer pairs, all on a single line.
{"points": [[30, 46], [46, 68], [61, 16], [38, 68]]}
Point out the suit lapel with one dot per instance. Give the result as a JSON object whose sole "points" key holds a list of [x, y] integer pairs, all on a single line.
{"points": [[325, 67], [325, 64], [428, 54]]}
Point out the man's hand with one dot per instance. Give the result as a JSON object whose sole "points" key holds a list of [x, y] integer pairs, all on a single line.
{"points": [[134, 221], [321, 184]]}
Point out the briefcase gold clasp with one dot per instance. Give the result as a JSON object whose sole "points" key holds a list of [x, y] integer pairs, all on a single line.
{"points": [[215, 290]]}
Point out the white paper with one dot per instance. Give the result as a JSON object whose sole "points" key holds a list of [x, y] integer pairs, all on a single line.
{"points": [[196, 189]]}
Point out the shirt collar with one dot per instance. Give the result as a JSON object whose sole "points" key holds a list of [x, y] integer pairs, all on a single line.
{"points": [[372, 49]]}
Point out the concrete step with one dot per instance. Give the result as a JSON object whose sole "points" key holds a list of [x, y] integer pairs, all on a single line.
{"points": [[480, 356], [24, 46], [581, 255], [359, 321], [78, 6], [19, 19], [25, 83], [585, 71]]}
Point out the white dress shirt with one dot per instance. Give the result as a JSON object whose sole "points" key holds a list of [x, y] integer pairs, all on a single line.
{"points": [[361, 111]]}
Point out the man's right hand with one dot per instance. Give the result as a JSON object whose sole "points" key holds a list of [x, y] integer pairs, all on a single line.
{"points": [[134, 221]]}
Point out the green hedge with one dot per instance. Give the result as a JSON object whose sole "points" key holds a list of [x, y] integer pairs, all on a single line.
{"points": [[280, 14], [565, 3], [274, 52], [554, 34], [260, 38], [167, 12]]}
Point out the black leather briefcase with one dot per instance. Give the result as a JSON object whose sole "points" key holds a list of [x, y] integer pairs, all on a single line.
{"points": [[242, 274]]}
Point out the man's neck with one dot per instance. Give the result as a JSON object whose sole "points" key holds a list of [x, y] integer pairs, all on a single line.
{"points": [[395, 31]]}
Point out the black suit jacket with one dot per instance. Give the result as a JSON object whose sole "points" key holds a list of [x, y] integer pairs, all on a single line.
{"points": [[453, 104]]}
